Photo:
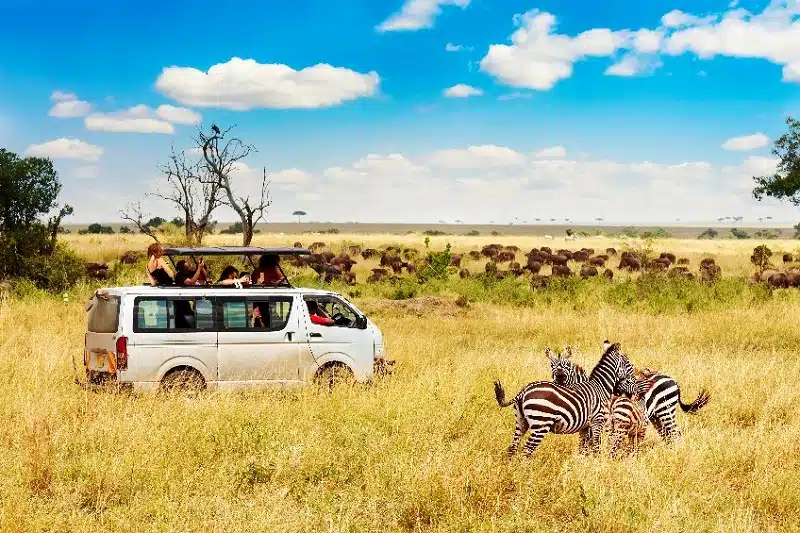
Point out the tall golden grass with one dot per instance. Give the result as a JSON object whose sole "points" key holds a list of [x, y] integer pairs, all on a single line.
{"points": [[422, 450]]}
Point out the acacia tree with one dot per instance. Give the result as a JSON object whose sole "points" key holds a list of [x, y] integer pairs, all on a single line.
{"points": [[784, 184], [221, 155], [299, 214]]}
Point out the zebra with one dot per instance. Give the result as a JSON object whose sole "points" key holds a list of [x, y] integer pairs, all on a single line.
{"points": [[626, 418], [544, 407], [661, 395], [564, 371]]}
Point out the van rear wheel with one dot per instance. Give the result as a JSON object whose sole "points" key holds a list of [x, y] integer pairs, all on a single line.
{"points": [[183, 380], [334, 374]]}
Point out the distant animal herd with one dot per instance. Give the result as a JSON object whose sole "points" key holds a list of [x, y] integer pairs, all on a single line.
{"points": [[539, 265]]}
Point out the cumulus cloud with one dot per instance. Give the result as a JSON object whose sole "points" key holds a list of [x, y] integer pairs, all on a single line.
{"points": [[137, 119], [554, 152], [243, 84], [476, 157], [450, 47], [65, 148], [746, 142], [67, 105], [142, 119], [462, 91], [418, 14], [538, 57], [178, 115]]}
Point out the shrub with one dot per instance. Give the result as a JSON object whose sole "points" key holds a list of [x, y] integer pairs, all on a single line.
{"points": [[738, 233], [472, 233], [760, 258], [99, 229], [434, 233], [125, 230], [656, 233], [436, 265], [710, 233], [55, 272], [233, 229]]}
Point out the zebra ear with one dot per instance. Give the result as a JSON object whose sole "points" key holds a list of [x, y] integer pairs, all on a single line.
{"points": [[567, 352], [549, 353], [606, 345]]}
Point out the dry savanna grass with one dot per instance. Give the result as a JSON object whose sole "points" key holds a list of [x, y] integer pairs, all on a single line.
{"points": [[422, 450]]}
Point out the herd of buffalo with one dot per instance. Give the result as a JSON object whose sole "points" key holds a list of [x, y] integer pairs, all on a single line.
{"points": [[540, 265]]}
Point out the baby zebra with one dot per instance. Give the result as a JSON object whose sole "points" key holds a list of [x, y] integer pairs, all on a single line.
{"points": [[626, 418], [660, 392], [544, 407]]}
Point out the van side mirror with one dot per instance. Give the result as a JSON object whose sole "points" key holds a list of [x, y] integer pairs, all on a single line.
{"points": [[361, 322]]}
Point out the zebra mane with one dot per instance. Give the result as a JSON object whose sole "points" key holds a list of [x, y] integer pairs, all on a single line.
{"points": [[579, 370], [611, 350]]}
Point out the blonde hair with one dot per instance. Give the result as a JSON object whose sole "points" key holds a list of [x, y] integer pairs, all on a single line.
{"points": [[155, 250]]}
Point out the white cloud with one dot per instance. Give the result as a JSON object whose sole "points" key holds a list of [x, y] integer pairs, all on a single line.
{"points": [[243, 84], [538, 57], [64, 148], [88, 172], [178, 115], [385, 165], [462, 91], [137, 119], [418, 14], [554, 152], [289, 178], [746, 142], [67, 105], [476, 157], [450, 47]]}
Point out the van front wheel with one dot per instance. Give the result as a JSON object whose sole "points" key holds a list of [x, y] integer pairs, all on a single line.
{"points": [[334, 374], [183, 380]]}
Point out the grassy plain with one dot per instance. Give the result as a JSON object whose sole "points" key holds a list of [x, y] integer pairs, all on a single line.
{"points": [[424, 449]]}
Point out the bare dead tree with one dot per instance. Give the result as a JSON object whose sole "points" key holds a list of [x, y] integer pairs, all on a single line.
{"points": [[133, 213], [220, 157], [54, 224], [193, 195]]}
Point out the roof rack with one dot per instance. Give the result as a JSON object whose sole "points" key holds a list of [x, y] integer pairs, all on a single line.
{"points": [[248, 251]]}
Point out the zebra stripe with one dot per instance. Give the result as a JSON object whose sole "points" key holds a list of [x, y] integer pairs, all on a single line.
{"points": [[626, 418], [543, 407], [660, 392]]}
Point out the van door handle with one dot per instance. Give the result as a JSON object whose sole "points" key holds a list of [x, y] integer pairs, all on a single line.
{"points": [[289, 335], [316, 335]]}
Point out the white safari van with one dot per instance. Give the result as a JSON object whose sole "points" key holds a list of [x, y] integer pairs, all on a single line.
{"points": [[166, 337]]}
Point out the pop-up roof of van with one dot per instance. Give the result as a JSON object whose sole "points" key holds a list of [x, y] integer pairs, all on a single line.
{"points": [[234, 250]]}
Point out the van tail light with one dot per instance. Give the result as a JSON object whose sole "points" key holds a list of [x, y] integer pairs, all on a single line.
{"points": [[122, 353]]}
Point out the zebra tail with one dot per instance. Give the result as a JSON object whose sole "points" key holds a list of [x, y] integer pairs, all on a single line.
{"points": [[696, 405], [500, 395]]}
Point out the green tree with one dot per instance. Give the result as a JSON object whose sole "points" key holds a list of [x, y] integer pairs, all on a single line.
{"points": [[760, 258], [299, 214], [737, 233], [710, 233], [784, 184], [29, 189]]}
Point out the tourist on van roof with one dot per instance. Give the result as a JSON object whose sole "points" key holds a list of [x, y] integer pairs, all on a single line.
{"points": [[230, 276], [185, 276], [268, 272], [158, 272]]}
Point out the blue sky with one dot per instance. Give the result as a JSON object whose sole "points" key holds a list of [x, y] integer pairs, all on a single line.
{"points": [[429, 110]]}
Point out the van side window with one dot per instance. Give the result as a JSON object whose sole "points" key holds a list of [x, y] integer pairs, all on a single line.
{"points": [[339, 311], [268, 314], [173, 314]]}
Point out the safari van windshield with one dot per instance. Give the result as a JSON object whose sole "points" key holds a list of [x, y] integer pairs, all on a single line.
{"points": [[103, 314]]}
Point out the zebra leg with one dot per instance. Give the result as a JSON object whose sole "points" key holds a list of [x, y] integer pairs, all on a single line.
{"points": [[670, 431], [535, 438], [595, 431], [656, 421], [519, 430], [583, 441]]}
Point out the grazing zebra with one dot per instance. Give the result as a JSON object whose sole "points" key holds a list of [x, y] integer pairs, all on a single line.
{"points": [[626, 418], [660, 392], [544, 407]]}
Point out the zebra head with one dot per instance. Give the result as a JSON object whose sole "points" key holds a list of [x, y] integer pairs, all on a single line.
{"points": [[615, 370], [560, 366], [564, 371]]}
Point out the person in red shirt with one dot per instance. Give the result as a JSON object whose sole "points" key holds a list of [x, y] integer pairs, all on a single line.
{"points": [[318, 316]]}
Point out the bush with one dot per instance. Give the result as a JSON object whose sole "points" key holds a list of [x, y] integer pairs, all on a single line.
{"points": [[99, 229], [737, 233], [233, 229], [656, 233], [434, 233], [472, 233], [436, 265], [760, 258], [710, 233], [55, 272], [125, 230]]}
